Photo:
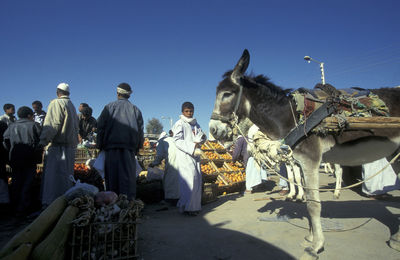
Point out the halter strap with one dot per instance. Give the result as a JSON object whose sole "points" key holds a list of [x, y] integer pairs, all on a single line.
{"points": [[232, 116]]}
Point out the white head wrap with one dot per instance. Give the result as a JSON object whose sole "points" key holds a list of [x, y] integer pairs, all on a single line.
{"points": [[123, 91]]}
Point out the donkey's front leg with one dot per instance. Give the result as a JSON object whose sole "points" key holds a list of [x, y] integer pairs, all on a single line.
{"points": [[292, 187], [314, 210], [297, 177]]}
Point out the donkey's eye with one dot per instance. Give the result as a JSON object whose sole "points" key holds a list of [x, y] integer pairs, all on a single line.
{"points": [[227, 95]]}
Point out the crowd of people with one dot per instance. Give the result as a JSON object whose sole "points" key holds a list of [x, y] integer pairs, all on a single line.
{"points": [[52, 138]]}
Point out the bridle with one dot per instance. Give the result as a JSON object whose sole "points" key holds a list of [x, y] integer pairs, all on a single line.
{"points": [[232, 118]]}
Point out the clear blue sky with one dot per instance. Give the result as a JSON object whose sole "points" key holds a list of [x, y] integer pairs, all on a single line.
{"points": [[176, 51]]}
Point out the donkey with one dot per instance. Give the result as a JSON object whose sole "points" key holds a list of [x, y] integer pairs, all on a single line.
{"points": [[270, 108]]}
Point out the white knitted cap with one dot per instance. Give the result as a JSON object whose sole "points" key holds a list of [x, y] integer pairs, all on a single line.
{"points": [[63, 86]]}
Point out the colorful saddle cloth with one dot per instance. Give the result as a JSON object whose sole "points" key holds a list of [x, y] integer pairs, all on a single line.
{"points": [[352, 102]]}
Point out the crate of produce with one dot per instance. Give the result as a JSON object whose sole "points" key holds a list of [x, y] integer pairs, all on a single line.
{"points": [[210, 155], [145, 157], [209, 172], [225, 156], [104, 240], [84, 154], [235, 166], [215, 145], [233, 177], [221, 166], [105, 231], [205, 147]]}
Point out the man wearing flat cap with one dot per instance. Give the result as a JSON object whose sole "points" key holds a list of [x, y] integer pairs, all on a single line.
{"points": [[120, 135], [60, 129]]}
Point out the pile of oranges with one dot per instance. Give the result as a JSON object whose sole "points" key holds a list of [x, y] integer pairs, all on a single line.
{"points": [[204, 147], [226, 156], [236, 166], [207, 169], [211, 155], [80, 168], [215, 146], [235, 177]]}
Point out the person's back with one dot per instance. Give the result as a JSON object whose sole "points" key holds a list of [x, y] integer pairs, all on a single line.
{"points": [[120, 135], [119, 126], [60, 129], [23, 139], [60, 126]]}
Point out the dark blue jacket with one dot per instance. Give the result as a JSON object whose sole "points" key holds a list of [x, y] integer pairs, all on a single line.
{"points": [[120, 125]]}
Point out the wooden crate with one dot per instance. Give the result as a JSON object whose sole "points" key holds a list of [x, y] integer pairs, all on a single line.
{"points": [[210, 193]]}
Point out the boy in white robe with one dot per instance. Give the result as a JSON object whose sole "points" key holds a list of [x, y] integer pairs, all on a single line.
{"points": [[188, 137], [382, 183]]}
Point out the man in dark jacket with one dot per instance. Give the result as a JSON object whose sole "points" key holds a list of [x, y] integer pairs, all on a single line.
{"points": [[22, 139], [240, 151], [120, 135], [87, 124]]}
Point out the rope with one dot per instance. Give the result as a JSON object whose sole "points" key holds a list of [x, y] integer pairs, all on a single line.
{"points": [[265, 157]]}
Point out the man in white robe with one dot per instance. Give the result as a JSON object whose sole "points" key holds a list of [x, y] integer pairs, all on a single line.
{"points": [[188, 137], [255, 174], [60, 129], [166, 149], [383, 182]]}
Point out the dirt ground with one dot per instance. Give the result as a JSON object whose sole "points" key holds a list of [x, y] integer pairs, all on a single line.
{"points": [[262, 226]]}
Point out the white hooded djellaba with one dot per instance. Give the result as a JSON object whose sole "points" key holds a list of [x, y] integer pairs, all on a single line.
{"points": [[187, 132]]}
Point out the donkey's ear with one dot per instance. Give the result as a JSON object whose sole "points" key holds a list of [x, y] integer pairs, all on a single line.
{"points": [[241, 67]]}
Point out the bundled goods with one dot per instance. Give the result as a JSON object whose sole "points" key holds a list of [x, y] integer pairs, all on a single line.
{"points": [[106, 229], [82, 206], [37, 231]]}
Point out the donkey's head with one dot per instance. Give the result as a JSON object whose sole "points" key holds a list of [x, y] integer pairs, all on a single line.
{"points": [[229, 100]]}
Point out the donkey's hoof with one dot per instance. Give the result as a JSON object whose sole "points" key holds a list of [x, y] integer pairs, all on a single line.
{"points": [[300, 199], [309, 254], [306, 243]]}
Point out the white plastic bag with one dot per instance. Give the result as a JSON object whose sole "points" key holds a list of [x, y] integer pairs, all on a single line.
{"points": [[80, 189], [99, 163]]}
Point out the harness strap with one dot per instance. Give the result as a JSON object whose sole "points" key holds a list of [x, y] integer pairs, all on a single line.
{"points": [[297, 133]]}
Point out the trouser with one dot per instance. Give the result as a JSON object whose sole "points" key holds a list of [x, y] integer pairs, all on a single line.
{"points": [[21, 187], [120, 172]]}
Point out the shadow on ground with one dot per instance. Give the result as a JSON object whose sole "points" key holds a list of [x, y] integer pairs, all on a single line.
{"points": [[171, 235]]}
